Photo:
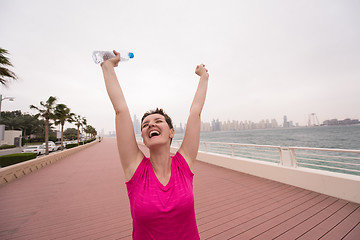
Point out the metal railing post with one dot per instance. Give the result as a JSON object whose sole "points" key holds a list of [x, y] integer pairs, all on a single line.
{"points": [[293, 156], [287, 158]]}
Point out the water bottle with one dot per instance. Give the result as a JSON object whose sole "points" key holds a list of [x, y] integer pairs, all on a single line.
{"points": [[101, 56]]}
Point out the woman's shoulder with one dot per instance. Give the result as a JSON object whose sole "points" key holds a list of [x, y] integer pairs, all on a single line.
{"points": [[181, 162]]}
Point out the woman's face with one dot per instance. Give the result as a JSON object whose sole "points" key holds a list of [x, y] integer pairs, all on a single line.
{"points": [[155, 130]]}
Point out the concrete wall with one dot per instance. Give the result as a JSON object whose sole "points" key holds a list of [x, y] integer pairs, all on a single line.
{"points": [[13, 172]]}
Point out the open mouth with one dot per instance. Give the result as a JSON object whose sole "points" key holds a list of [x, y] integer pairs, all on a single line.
{"points": [[154, 133]]}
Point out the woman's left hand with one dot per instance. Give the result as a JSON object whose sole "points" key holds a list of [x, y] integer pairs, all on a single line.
{"points": [[202, 71]]}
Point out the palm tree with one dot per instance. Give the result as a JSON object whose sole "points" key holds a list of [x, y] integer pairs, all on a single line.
{"points": [[86, 130], [5, 73], [93, 132], [46, 111], [62, 114], [83, 124], [78, 122], [90, 130]]}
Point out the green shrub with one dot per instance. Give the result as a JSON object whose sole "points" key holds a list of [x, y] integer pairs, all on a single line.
{"points": [[53, 138], [90, 140], [5, 146], [15, 158], [71, 145]]}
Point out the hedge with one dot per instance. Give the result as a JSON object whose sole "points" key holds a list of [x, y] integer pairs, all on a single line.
{"points": [[71, 145], [91, 140], [5, 146], [10, 159]]}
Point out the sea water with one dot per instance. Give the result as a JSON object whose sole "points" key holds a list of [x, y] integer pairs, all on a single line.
{"points": [[331, 137], [339, 137]]}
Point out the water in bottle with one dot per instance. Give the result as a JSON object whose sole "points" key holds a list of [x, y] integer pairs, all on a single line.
{"points": [[101, 56]]}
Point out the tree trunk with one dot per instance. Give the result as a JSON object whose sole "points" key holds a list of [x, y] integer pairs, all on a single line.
{"points": [[78, 134], [62, 137], [47, 136]]}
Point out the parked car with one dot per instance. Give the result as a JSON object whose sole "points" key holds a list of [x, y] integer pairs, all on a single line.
{"points": [[52, 146], [58, 145], [39, 149]]}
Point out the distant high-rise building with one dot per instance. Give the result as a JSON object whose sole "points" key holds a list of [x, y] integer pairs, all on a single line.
{"points": [[136, 123], [205, 127], [216, 125], [274, 123], [285, 123], [181, 128]]}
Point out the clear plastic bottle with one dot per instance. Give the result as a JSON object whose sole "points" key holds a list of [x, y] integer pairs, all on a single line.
{"points": [[101, 56]]}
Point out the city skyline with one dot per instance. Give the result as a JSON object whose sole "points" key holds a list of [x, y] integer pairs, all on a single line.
{"points": [[233, 125], [236, 125]]}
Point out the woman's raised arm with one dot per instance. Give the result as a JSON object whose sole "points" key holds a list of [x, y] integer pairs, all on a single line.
{"points": [[190, 145], [130, 154]]}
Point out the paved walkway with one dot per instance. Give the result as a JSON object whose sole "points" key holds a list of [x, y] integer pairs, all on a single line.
{"points": [[84, 197]]}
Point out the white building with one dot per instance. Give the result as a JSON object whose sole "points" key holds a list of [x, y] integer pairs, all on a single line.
{"points": [[10, 137]]}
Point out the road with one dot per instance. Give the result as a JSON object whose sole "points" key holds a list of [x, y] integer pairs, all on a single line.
{"points": [[10, 151]]}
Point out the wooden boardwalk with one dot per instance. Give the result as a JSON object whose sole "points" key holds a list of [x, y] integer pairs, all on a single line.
{"points": [[84, 197]]}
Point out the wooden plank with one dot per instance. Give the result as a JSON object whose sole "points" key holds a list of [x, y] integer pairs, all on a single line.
{"points": [[326, 226], [288, 220], [347, 224], [354, 234], [246, 212], [312, 222], [264, 221]]}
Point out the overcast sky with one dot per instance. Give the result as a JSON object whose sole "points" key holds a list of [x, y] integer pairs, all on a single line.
{"points": [[266, 59]]}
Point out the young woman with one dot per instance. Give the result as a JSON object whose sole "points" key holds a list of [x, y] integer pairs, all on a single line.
{"points": [[160, 188]]}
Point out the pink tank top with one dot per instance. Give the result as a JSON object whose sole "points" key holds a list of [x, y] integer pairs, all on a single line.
{"points": [[163, 212]]}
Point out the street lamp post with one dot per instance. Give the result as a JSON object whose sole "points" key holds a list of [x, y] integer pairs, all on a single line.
{"points": [[1, 99]]}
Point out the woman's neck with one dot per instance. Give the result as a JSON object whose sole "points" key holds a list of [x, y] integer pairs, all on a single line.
{"points": [[161, 162]]}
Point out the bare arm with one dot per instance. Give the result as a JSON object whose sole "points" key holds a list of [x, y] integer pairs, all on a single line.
{"points": [[190, 146], [130, 154]]}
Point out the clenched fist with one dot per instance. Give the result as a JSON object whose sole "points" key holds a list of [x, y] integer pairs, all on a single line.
{"points": [[202, 71]]}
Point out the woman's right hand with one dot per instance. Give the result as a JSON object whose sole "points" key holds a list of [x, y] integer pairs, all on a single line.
{"points": [[114, 61]]}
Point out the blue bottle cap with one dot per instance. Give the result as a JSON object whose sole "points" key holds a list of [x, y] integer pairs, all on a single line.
{"points": [[131, 55]]}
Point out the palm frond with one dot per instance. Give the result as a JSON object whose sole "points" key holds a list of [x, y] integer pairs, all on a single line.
{"points": [[3, 59]]}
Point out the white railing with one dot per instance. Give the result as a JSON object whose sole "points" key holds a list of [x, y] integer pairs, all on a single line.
{"points": [[338, 160], [335, 160], [266, 153]]}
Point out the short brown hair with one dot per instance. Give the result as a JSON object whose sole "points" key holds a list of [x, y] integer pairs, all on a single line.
{"points": [[161, 112]]}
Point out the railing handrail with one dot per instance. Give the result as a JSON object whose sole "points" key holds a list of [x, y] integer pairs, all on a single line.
{"points": [[327, 149], [236, 144], [275, 146], [288, 155]]}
